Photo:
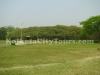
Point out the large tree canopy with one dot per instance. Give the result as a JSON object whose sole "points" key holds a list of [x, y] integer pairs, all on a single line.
{"points": [[47, 32], [91, 27]]}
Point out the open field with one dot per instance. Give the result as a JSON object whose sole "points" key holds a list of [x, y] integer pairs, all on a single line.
{"points": [[54, 59], [2, 41]]}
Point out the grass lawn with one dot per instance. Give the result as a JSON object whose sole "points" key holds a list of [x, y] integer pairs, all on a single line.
{"points": [[2, 41], [54, 59]]}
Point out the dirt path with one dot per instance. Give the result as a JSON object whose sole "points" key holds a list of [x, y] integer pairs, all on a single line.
{"points": [[89, 59], [25, 67], [51, 64]]}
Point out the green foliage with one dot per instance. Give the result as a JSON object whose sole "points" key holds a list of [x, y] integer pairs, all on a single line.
{"points": [[48, 32], [91, 27], [14, 34], [4, 31], [90, 30]]}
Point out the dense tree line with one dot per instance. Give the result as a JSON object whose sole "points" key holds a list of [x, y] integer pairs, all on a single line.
{"points": [[4, 31], [90, 30], [47, 32]]}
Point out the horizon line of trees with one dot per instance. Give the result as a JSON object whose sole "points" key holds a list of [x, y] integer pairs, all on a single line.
{"points": [[60, 32], [47, 32], [90, 30]]}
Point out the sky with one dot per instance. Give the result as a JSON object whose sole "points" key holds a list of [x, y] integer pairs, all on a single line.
{"points": [[29, 13]]}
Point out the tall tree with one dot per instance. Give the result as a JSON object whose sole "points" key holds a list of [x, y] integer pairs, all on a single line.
{"points": [[4, 31], [91, 26]]}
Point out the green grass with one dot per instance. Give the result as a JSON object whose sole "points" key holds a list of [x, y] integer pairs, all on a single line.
{"points": [[54, 59], [2, 41]]}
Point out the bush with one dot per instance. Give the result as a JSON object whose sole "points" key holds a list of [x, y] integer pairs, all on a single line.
{"points": [[96, 41]]}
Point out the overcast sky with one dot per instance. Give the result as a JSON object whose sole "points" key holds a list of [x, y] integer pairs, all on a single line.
{"points": [[46, 12]]}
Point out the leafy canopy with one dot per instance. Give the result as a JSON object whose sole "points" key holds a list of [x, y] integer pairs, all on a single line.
{"points": [[91, 26]]}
